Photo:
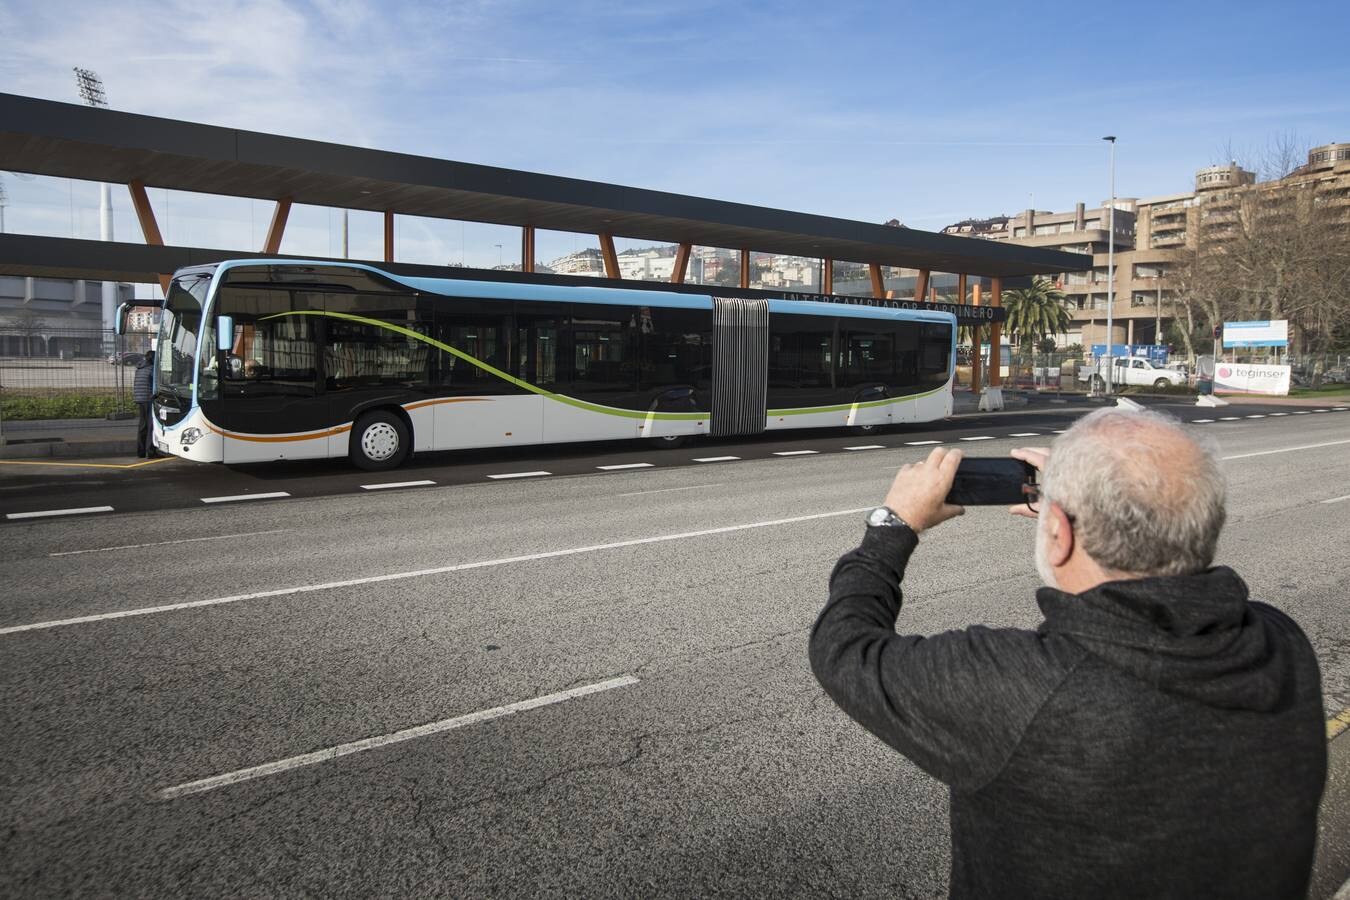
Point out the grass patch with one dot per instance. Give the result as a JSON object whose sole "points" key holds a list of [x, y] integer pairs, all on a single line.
{"points": [[32, 406]]}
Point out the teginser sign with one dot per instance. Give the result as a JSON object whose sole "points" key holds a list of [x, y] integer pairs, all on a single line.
{"points": [[1251, 379]]}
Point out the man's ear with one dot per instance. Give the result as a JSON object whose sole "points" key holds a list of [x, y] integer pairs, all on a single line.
{"points": [[1061, 536]]}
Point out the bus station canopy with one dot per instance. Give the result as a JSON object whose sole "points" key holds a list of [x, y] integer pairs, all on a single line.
{"points": [[45, 137]]}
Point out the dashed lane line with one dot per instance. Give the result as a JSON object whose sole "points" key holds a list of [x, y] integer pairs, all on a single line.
{"points": [[867, 447], [1201, 421], [395, 484], [1026, 434], [423, 573], [690, 487], [618, 466], [270, 495], [1256, 416], [920, 443], [1273, 415], [519, 475], [213, 537], [1337, 499], [46, 513], [1302, 412], [795, 452], [1287, 449], [1230, 418], [373, 743], [983, 437], [708, 459]]}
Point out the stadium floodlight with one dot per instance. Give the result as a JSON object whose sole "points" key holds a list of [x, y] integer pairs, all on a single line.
{"points": [[91, 87]]}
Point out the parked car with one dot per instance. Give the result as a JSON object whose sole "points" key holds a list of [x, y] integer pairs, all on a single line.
{"points": [[1132, 370], [127, 358]]}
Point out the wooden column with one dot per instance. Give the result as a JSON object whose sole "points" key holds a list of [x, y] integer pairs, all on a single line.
{"points": [[140, 200], [611, 258], [745, 268], [681, 263], [976, 363], [388, 235], [878, 286], [996, 335], [921, 286], [827, 276], [961, 289], [278, 227], [527, 248]]}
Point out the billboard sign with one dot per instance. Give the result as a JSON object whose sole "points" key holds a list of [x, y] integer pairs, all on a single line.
{"points": [[1251, 379], [1256, 334], [1154, 353]]}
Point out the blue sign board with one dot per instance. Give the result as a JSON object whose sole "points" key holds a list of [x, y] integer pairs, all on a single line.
{"points": [[1154, 353], [1256, 334]]}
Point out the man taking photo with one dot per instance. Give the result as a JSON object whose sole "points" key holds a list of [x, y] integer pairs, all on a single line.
{"points": [[1158, 735]]}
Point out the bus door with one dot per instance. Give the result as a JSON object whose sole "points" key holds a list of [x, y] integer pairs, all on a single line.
{"points": [[483, 402], [268, 401]]}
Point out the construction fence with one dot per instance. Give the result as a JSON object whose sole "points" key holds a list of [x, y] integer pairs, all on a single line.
{"points": [[80, 376]]}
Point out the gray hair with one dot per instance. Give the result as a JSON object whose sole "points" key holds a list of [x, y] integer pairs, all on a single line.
{"points": [[1147, 498]]}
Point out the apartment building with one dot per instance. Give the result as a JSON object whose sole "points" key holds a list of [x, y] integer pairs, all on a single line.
{"points": [[1149, 235]]}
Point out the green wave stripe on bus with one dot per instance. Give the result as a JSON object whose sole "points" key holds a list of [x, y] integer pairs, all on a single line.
{"points": [[846, 407], [572, 401], [498, 373]]}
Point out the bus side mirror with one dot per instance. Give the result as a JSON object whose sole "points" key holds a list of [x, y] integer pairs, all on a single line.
{"points": [[224, 332], [120, 320]]}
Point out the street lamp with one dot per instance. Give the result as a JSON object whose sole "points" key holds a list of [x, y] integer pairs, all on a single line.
{"points": [[1111, 267], [499, 255]]}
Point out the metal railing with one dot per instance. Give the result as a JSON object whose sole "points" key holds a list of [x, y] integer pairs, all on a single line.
{"points": [[80, 378]]}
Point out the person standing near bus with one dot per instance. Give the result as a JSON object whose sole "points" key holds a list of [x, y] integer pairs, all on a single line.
{"points": [[142, 391]]}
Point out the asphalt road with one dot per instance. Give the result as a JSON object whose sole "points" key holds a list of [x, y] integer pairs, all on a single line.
{"points": [[680, 746]]}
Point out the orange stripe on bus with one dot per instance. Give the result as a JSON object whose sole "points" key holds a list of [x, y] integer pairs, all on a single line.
{"points": [[423, 403], [279, 439]]}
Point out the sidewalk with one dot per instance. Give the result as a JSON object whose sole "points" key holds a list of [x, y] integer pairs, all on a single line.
{"points": [[67, 438]]}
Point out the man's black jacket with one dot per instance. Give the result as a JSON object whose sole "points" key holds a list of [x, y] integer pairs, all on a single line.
{"points": [[1153, 738]]}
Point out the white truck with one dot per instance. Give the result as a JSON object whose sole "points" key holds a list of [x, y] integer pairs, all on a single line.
{"points": [[1131, 370]]}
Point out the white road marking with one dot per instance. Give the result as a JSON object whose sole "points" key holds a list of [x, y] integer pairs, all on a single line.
{"points": [[273, 495], [79, 511], [1321, 410], [423, 573], [395, 484], [795, 452], [1201, 421], [920, 443], [397, 737], [1287, 449], [615, 468], [1302, 412], [1337, 499], [715, 458], [214, 537], [867, 447], [983, 437], [1256, 416], [1278, 414], [692, 487], [1027, 434], [1339, 408], [521, 475], [1059, 430], [1230, 418]]}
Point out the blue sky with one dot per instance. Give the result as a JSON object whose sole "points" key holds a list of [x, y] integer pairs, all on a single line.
{"points": [[925, 112]]}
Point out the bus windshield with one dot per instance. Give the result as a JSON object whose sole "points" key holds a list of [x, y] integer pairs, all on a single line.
{"points": [[176, 353]]}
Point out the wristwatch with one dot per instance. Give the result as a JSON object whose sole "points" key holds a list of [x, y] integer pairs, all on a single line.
{"points": [[884, 517]]}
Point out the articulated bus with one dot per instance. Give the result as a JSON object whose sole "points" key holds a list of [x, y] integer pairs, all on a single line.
{"points": [[262, 359]]}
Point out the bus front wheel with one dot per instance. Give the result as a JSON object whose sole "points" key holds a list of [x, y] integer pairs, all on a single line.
{"points": [[379, 441]]}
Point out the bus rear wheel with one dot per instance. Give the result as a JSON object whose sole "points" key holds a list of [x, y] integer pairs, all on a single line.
{"points": [[379, 441], [669, 441]]}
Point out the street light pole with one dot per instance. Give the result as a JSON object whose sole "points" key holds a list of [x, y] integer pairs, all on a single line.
{"points": [[1111, 269], [1157, 322]]}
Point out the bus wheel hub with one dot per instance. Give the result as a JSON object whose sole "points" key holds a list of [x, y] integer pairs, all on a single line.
{"points": [[379, 441]]}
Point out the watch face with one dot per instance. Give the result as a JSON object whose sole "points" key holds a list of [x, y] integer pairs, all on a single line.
{"points": [[878, 516]]}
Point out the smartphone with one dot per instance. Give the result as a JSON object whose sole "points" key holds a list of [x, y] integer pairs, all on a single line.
{"points": [[991, 481]]}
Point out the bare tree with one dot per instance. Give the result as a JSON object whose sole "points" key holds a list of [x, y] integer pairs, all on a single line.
{"points": [[28, 325]]}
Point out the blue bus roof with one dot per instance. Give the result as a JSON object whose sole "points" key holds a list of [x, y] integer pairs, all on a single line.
{"points": [[494, 290]]}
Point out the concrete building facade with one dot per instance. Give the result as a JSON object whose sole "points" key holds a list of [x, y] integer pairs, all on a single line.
{"points": [[1151, 233]]}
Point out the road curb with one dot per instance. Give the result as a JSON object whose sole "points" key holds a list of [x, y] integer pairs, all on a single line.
{"points": [[68, 449]]}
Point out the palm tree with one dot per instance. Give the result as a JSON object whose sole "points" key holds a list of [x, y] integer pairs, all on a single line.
{"points": [[1036, 312]]}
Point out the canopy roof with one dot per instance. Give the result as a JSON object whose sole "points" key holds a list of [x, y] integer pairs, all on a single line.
{"points": [[68, 140]]}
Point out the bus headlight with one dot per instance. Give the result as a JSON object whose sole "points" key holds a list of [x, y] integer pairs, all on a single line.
{"points": [[191, 436]]}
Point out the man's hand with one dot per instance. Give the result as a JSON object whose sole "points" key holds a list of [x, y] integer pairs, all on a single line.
{"points": [[919, 493], [1037, 456]]}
